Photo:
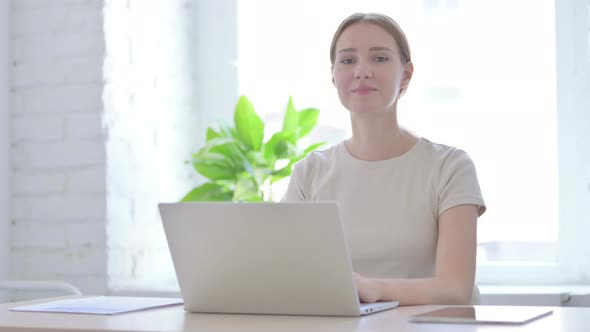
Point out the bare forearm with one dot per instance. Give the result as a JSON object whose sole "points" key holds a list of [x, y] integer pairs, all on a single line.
{"points": [[454, 275], [424, 291]]}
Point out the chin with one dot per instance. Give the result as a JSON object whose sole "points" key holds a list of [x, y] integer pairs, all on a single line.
{"points": [[366, 108]]}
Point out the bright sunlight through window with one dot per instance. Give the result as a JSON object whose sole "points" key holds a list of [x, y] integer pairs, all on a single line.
{"points": [[483, 84]]}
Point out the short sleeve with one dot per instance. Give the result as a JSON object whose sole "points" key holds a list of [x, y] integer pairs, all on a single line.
{"points": [[294, 189], [459, 184]]}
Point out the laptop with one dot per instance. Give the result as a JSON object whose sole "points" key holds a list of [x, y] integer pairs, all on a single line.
{"points": [[263, 258]]}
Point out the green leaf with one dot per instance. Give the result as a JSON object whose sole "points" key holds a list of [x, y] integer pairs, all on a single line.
{"points": [[307, 121], [249, 126], [286, 171], [270, 148], [209, 192], [312, 148], [215, 142], [256, 158], [282, 173], [227, 131], [282, 149], [231, 149], [214, 166], [291, 117], [212, 134], [246, 190], [238, 162], [297, 157], [260, 174], [226, 147]]}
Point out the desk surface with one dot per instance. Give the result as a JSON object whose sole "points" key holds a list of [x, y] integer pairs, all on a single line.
{"points": [[176, 319]]}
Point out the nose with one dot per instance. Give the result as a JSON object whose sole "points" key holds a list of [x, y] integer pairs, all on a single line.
{"points": [[363, 71]]}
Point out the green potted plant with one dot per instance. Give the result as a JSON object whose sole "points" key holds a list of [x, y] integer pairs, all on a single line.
{"points": [[237, 162]]}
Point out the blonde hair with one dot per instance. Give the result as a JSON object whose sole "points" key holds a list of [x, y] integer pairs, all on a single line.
{"points": [[382, 20]]}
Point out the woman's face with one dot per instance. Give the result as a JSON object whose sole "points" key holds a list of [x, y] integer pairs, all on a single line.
{"points": [[367, 71]]}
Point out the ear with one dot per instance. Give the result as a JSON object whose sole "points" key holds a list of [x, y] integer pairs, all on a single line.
{"points": [[332, 74], [408, 72]]}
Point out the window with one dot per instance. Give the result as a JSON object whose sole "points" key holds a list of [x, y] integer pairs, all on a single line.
{"points": [[484, 81]]}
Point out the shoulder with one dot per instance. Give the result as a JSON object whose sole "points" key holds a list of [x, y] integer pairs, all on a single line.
{"points": [[319, 159], [316, 165], [456, 177], [445, 156]]}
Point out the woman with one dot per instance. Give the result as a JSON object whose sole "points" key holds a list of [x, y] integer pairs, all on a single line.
{"points": [[409, 206]]}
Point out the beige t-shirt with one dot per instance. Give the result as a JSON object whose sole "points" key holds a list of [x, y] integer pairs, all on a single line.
{"points": [[390, 208]]}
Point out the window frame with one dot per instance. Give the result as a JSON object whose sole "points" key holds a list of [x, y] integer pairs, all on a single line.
{"points": [[573, 134], [573, 123]]}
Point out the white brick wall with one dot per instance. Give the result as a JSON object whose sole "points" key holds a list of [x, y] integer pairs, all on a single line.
{"points": [[161, 92], [152, 125], [64, 224], [58, 149]]}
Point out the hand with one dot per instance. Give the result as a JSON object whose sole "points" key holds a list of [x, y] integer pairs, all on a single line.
{"points": [[368, 289]]}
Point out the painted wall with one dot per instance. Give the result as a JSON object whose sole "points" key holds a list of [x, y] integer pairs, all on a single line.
{"points": [[4, 136]]}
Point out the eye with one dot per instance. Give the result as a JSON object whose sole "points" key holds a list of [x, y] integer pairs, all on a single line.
{"points": [[346, 61], [381, 59]]}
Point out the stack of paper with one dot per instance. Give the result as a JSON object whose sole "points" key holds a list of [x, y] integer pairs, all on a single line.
{"points": [[101, 305]]}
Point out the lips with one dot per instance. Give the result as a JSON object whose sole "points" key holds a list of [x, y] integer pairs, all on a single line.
{"points": [[363, 89]]}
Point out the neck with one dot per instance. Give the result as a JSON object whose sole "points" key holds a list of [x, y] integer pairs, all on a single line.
{"points": [[378, 136]]}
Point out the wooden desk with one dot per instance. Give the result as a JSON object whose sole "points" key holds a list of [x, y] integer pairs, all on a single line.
{"points": [[176, 319]]}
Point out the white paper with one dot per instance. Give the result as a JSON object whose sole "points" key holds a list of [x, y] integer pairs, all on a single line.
{"points": [[101, 305]]}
